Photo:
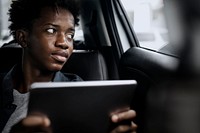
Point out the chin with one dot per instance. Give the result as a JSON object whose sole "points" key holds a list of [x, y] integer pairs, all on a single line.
{"points": [[56, 68]]}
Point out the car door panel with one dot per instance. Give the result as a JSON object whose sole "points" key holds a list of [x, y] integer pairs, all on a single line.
{"points": [[146, 62], [148, 68]]}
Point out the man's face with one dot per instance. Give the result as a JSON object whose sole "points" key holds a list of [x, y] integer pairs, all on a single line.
{"points": [[50, 42]]}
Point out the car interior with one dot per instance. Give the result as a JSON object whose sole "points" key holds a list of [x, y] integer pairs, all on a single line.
{"points": [[111, 50]]}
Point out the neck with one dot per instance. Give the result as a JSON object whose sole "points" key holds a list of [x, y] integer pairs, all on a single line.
{"points": [[31, 75]]}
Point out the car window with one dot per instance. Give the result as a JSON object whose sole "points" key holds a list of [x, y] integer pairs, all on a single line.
{"points": [[148, 21], [5, 36], [4, 32]]}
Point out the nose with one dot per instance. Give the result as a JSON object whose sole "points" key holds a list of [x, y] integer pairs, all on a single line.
{"points": [[62, 41]]}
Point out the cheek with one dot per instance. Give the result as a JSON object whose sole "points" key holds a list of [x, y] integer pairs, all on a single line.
{"points": [[40, 47], [35, 41], [71, 48]]}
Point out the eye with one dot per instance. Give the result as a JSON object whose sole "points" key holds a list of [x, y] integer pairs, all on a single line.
{"points": [[70, 36], [51, 30]]}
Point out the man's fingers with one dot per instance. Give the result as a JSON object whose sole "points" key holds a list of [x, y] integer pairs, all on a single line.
{"points": [[33, 123], [34, 120], [125, 128], [127, 115]]}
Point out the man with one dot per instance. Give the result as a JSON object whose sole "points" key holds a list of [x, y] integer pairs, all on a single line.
{"points": [[45, 31]]}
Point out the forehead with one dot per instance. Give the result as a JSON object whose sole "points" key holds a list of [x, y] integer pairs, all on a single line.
{"points": [[48, 15]]}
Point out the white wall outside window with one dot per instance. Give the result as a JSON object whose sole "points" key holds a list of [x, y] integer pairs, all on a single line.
{"points": [[148, 21]]}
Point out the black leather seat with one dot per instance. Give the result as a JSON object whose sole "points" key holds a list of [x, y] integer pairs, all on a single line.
{"points": [[89, 65], [9, 57]]}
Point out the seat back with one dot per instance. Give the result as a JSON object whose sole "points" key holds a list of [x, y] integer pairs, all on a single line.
{"points": [[89, 65], [9, 57]]}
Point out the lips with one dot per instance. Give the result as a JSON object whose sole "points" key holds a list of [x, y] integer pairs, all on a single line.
{"points": [[60, 56]]}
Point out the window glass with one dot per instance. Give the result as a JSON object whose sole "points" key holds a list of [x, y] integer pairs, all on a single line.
{"points": [[148, 22], [4, 32]]}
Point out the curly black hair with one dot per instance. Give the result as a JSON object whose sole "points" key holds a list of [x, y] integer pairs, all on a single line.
{"points": [[23, 12]]}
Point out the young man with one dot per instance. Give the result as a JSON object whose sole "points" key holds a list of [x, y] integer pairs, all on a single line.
{"points": [[45, 31]]}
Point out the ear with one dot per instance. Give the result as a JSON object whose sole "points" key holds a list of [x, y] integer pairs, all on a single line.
{"points": [[21, 36]]}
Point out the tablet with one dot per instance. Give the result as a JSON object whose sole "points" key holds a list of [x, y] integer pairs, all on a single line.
{"points": [[81, 107]]}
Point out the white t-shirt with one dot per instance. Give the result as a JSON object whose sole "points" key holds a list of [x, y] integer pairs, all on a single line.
{"points": [[21, 100]]}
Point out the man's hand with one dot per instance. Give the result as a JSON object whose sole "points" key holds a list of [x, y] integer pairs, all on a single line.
{"points": [[33, 123], [41, 123], [124, 121]]}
